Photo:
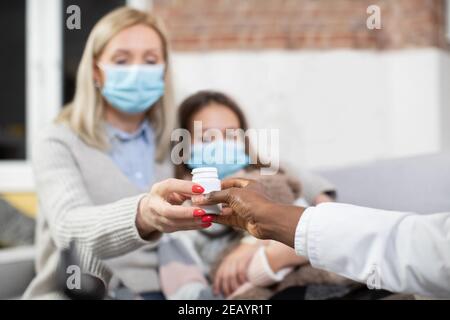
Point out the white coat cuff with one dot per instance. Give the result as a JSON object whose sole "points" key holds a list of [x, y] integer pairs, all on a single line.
{"points": [[301, 233]]}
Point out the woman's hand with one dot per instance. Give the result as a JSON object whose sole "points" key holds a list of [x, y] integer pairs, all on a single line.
{"points": [[244, 201], [249, 208], [232, 271], [161, 209]]}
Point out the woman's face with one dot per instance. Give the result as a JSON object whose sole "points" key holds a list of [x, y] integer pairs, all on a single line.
{"points": [[215, 116], [138, 44]]}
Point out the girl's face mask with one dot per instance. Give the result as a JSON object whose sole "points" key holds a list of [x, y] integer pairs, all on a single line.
{"points": [[228, 156], [133, 88]]}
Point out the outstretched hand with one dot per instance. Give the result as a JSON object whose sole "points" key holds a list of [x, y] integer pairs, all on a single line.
{"points": [[248, 207]]}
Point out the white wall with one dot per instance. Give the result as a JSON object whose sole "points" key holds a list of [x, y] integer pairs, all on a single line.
{"points": [[333, 108]]}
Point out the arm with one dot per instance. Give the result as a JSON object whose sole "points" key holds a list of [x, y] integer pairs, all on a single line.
{"points": [[400, 252], [112, 229], [105, 230], [280, 256], [409, 253]]}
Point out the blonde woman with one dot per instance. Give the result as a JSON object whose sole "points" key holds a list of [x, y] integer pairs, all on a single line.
{"points": [[95, 165]]}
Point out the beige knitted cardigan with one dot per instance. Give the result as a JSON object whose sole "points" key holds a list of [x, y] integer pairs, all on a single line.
{"points": [[83, 196]]}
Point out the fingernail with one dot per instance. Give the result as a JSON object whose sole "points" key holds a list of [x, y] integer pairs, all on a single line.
{"points": [[206, 225], [198, 189], [207, 219], [199, 213]]}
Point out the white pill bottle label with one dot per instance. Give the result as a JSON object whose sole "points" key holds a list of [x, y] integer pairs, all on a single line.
{"points": [[208, 178]]}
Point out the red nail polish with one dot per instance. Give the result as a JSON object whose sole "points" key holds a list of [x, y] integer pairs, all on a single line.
{"points": [[199, 213], [207, 219], [198, 189], [206, 225]]}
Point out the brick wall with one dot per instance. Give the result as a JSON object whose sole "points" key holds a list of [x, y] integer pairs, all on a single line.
{"points": [[200, 25]]}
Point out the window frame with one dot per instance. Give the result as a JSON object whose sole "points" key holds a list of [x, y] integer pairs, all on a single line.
{"points": [[447, 20], [43, 43]]}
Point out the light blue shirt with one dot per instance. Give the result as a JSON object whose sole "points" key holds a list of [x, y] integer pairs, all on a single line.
{"points": [[134, 153]]}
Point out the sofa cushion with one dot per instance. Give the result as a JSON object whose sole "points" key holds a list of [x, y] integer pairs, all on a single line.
{"points": [[16, 271], [419, 184], [15, 228]]}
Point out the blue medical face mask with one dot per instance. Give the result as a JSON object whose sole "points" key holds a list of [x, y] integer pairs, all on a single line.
{"points": [[134, 88], [228, 156]]}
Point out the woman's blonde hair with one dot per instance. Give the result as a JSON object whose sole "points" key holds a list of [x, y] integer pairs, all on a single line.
{"points": [[84, 115]]}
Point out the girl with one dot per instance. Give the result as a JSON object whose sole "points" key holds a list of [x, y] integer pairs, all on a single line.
{"points": [[218, 112]]}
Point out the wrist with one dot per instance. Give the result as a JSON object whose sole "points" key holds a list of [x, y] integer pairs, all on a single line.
{"points": [[144, 229], [271, 258], [281, 223]]}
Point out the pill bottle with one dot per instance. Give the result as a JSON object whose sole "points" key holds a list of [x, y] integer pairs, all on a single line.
{"points": [[208, 178]]}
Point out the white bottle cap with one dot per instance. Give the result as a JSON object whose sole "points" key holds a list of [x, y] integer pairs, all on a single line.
{"points": [[206, 173]]}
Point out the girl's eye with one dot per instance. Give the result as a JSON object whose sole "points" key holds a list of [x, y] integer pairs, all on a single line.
{"points": [[121, 62], [152, 61]]}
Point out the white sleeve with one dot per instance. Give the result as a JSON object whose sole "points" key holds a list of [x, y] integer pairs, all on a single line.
{"points": [[400, 252]]}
